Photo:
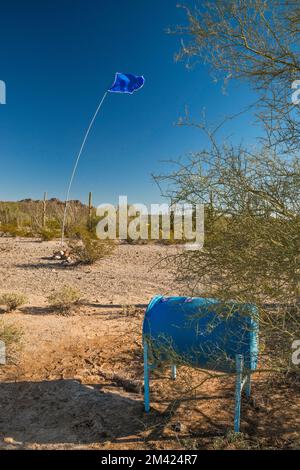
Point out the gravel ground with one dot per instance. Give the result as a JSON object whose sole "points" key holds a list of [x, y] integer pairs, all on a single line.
{"points": [[76, 382]]}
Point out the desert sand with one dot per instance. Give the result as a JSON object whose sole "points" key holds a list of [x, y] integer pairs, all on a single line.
{"points": [[77, 381]]}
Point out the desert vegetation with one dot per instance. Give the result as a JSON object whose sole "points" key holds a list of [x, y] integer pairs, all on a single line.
{"points": [[64, 299], [12, 301], [81, 328], [252, 195], [41, 219], [87, 249], [11, 335]]}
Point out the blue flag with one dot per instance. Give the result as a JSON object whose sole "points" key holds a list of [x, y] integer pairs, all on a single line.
{"points": [[126, 83]]}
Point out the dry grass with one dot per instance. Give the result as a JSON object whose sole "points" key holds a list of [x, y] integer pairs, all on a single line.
{"points": [[12, 301], [11, 335], [64, 300]]}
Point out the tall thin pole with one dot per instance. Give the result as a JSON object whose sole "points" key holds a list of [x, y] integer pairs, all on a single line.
{"points": [[44, 210], [90, 210], [76, 164]]}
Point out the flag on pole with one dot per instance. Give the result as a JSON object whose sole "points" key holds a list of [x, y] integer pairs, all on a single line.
{"points": [[126, 83]]}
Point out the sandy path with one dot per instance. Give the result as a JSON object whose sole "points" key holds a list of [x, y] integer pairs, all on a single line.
{"points": [[130, 275]]}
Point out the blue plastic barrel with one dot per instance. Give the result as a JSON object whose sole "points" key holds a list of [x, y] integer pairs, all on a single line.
{"points": [[201, 332]]}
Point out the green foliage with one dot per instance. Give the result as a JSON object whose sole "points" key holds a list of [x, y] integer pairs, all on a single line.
{"points": [[47, 234], [13, 230], [92, 223], [252, 230], [9, 334], [253, 41], [54, 225], [252, 238], [12, 301], [25, 218], [64, 300], [88, 250]]}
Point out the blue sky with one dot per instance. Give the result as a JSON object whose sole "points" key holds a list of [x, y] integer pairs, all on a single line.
{"points": [[58, 57]]}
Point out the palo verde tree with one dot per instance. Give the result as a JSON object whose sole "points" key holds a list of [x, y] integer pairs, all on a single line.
{"points": [[256, 41], [252, 197]]}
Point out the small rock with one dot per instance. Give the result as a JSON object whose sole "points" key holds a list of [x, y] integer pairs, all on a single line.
{"points": [[10, 440], [177, 427]]}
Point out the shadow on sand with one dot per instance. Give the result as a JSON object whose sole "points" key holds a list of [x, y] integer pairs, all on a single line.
{"points": [[66, 411]]}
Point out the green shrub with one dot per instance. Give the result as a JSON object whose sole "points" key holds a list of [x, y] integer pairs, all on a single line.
{"points": [[47, 234], [11, 335], [89, 250], [65, 299], [12, 301], [13, 230], [79, 232], [53, 224]]}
